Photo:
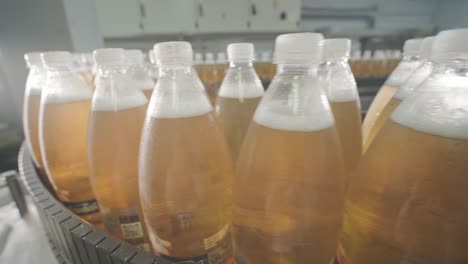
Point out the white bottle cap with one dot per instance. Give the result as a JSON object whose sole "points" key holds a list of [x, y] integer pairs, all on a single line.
{"points": [[367, 55], [451, 44], [173, 53], [109, 57], [56, 58], [209, 58], [336, 48], [412, 47], [298, 48], [221, 58], [198, 58], [133, 57], [379, 55], [356, 55], [426, 48], [33, 59], [240, 52]]}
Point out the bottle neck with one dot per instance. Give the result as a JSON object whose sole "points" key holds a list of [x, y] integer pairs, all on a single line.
{"points": [[296, 69], [109, 69], [174, 71]]}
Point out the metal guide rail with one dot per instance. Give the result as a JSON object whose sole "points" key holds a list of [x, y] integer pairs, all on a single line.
{"points": [[72, 239]]}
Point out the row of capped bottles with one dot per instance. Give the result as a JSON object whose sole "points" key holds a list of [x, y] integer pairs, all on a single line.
{"points": [[78, 136], [407, 201], [271, 173], [377, 64], [212, 72], [185, 167]]}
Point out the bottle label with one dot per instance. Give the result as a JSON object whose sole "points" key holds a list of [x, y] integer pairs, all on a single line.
{"points": [[128, 223], [218, 249], [83, 208]]}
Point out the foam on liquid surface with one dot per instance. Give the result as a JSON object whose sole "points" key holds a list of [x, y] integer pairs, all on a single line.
{"points": [[416, 79], [402, 72], [181, 99], [69, 96], [283, 116], [118, 102], [339, 83], [231, 90], [35, 82], [441, 113], [241, 83], [343, 95]]}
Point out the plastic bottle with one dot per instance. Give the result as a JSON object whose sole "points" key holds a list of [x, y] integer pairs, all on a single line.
{"points": [[32, 100], [153, 70], [221, 66], [210, 77], [406, 67], [63, 121], [289, 184], [343, 96], [408, 204], [185, 173], [413, 81], [116, 121], [136, 71], [239, 95]]}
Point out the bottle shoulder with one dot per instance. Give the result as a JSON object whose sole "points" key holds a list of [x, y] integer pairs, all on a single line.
{"points": [[241, 83], [295, 102], [439, 106], [179, 94], [66, 87], [116, 92], [339, 84]]}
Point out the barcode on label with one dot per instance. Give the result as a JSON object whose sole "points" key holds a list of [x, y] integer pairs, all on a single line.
{"points": [[132, 230]]}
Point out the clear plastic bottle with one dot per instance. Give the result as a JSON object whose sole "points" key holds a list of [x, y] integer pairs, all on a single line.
{"points": [[261, 64], [32, 100], [378, 64], [86, 66], [343, 96], [185, 173], [153, 70], [238, 96], [116, 121], [198, 64], [406, 67], [289, 184], [210, 77], [136, 71], [413, 81], [356, 63], [366, 62], [221, 66], [408, 203], [63, 122]]}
